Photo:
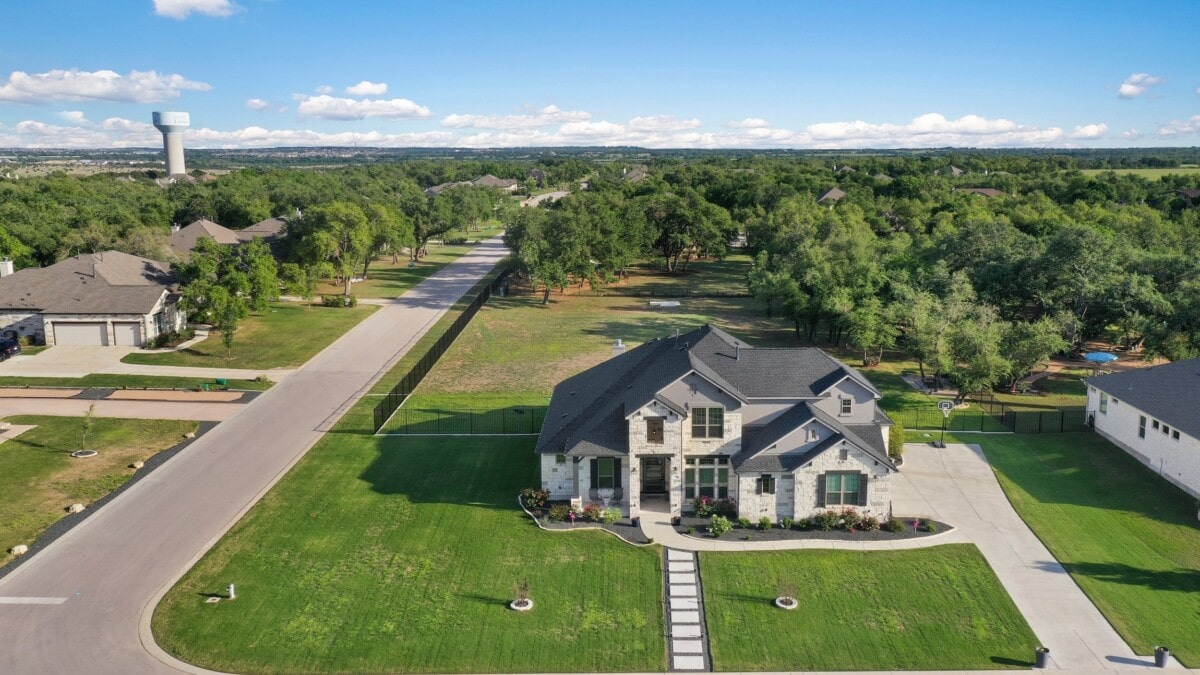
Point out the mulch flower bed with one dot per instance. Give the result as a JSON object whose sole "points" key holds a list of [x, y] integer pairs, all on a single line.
{"points": [[699, 527], [623, 527]]}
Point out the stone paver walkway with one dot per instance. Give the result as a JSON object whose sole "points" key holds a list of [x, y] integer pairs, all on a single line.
{"points": [[685, 612]]}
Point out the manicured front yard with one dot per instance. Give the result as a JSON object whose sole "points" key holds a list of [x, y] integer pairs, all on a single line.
{"points": [[1129, 538], [939, 608], [284, 336], [400, 555], [39, 479]]}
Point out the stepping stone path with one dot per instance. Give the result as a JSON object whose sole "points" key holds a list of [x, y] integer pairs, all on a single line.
{"points": [[685, 613]]}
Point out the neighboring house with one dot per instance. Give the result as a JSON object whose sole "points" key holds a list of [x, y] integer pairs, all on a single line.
{"points": [[183, 240], [551, 197], [442, 187], [1190, 195], [831, 195], [538, 175], [986, 192], [955, 171], [883, 178], [490, 181], [1154, 415], [784, 432], [108, 298]]}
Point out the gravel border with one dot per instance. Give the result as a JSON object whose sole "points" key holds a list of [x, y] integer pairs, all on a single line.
{"points": [[64, 524], [777, 534]]}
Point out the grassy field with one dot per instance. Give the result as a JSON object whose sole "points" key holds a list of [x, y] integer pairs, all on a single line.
{"points": [[39, 480], [1128, 537], [938, 608], [719, 278], [130, 382], [516, 348], [1151, 174], [284, 336], [400, 555]]}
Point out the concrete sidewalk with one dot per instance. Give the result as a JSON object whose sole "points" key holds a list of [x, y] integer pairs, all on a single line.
{"points": [[128, 409], [81, 361]]}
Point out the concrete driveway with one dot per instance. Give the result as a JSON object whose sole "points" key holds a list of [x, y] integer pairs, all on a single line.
{"points": [[83, 604], [956, 485]]}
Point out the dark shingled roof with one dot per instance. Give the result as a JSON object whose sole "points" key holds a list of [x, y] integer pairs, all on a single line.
{"points": [[1169, 393], [587, 411], [94, 283]]}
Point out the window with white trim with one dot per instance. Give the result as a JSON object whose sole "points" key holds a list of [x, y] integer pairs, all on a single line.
{"points": [[1103, 403], [708, 422], [813, 434], [847, 405], [1141, 426]]}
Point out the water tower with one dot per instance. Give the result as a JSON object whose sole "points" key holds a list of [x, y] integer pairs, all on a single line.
{"points": [[172, 124]]}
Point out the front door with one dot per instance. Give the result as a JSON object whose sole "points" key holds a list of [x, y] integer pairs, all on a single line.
{"points": [[654, 475]]}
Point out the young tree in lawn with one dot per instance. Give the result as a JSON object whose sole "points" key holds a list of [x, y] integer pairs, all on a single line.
{"points": [[261, 272], [297, 281]]}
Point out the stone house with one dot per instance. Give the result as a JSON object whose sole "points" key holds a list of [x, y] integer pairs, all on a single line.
{"points": [[783, 432], [108, 298], [1151, 414]]}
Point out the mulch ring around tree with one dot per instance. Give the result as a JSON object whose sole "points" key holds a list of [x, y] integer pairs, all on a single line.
{"points": [[698, 527], [623, 528]]}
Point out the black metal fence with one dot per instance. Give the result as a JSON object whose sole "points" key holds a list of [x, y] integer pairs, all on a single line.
{"points": [[999, 418], [494, 421], [394, 398]]}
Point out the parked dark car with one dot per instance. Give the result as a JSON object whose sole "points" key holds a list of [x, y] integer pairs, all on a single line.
{"points": [[8, 348]]}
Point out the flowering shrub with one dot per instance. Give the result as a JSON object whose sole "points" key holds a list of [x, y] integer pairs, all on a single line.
{"points": [[826, 520], [535, 498], [868, 523], [720, 525], [707, 506], [593, 512]]}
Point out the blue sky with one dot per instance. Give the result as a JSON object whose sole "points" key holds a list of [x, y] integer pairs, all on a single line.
{"points": [[261, 73]]}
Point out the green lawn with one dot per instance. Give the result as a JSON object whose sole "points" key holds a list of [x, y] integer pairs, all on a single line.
{"points": [[284, 336], [399, 555], [939, 608], [516, 349], [1128, 537], [39, 480], [130, 381]]}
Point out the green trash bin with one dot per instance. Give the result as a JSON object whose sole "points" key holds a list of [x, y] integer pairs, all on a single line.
{"points": [[222, 381]]}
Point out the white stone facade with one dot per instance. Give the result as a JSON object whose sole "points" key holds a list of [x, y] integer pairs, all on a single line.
{"points": [[1165, 450], [22, 324]]}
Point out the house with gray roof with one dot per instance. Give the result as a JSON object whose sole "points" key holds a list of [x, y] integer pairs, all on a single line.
{"points": [[183, 239], [786, 433], [1152, 413], [98, 299], [831, 195]]}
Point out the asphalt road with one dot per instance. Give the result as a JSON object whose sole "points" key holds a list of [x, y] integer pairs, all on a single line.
{"points": [[83, 604]]}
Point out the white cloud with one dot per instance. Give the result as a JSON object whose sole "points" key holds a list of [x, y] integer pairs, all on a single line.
{"points": [[1181, 127], [101, 85], [324, 89], [366, 88], [749, 123], [257, 104], [1090, 131], [1131, 135], [932, 130], [73, 116], [181, 9], [332, 108], [662, 123], [1136, 84], [548, 116]]}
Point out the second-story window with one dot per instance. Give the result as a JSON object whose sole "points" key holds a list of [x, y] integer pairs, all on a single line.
{"points": [[708, 422], [847, 406]]}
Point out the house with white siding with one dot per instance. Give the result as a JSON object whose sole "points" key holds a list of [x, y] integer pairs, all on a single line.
{"points": [[786, 433], [98, 299], [1154, 415]]}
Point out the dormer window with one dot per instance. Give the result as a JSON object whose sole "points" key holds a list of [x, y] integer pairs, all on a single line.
{"points": [[847, 405], [813, 435]]}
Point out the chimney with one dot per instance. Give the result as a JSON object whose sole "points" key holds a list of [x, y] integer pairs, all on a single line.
{"points": [[6, 268], [174, 228], [618, 347]]}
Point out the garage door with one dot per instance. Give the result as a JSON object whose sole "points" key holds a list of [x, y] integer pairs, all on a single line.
{"points": [[80, 334], [129, 334]]}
